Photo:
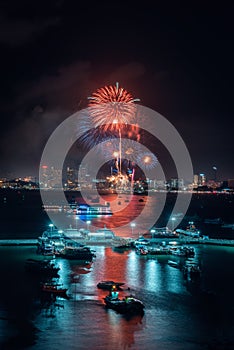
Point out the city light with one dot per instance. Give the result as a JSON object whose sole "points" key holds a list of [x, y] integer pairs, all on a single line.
{"points": [[132, 226], [88, 223]]}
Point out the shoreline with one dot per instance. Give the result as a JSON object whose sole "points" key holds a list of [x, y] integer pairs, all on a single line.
{"points": [[183, 241]]}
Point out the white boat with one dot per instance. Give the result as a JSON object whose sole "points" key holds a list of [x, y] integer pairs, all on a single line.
{"points": [[94, 210], [177, 251], [57, 239], [160, 232], [141, 241], [159, 251], [103, 236], [190, 230]]}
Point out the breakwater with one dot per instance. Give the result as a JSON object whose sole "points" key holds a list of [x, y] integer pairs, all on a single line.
{"points": [[182, 241]]}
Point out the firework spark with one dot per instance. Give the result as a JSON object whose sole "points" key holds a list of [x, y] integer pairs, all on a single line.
{"points": [[111, 94], [129, 148], [111, 112], [147, 161], [111, 106]]}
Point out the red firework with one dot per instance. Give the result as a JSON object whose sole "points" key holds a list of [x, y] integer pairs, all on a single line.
{"points": [[111, 94], [111, 106]]}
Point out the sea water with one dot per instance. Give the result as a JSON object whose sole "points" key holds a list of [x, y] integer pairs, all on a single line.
{"points": [[179, 313]]}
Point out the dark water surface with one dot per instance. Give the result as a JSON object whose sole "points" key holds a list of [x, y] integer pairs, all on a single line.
{"points": [[22, 214], [179, 314]]}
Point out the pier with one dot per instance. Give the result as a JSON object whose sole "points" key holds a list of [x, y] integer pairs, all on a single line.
{"points": [[17, 242], [182, 241], [187, 240]]}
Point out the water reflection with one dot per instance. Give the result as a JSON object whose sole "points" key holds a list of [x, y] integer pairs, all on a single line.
{"points": [[172, 303], [153, 276], [122, 329]]}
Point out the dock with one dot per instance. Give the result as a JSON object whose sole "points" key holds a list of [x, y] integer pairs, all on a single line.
{"points": [[18, 242], [182, 241], [187, 240]]}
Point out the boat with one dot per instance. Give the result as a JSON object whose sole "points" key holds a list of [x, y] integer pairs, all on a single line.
{"points": [[158, 251], [141, 241], [76, 253], [108, 285], [42, 266], [46, 248], [127, 305], [94, 210], [192, 271], [173, 263], [188, 251], [52, 234], [160, 232], [102, 235], [50, 241], [141, 250], [177, 251], [83, 236], [190, 230], [53, 289], [122, 243]]}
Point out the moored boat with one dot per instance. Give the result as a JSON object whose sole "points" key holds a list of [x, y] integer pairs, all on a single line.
{"points": [[141, 241], [192, 271], [127, 305], [160, 232], [141, 250], [189, 251], [94, 210], [173, 264], [108, 285], [190, 230], [77, 253], [54, 289], [159, 250]]}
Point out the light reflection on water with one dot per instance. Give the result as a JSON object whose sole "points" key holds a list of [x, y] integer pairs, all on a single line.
{"points": [[178, 315], [120, 221]]}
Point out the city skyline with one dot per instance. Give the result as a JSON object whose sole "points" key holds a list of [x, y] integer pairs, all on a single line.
{"points": [[177, 60], [76, 178], [106, 170]]}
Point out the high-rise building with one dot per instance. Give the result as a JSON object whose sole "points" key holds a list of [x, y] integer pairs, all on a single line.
{"points": [[195, 180], [50, 177], [201, 179], [71, 178], [177, 184]]}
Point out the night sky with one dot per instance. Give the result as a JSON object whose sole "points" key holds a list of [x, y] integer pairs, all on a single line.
{"points": [[178, 60]]}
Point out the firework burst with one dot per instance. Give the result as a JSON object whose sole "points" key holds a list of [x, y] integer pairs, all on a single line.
{"points": [[111, 115], [147, 161], [111, 94], [110, 106], [129, 148]]}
